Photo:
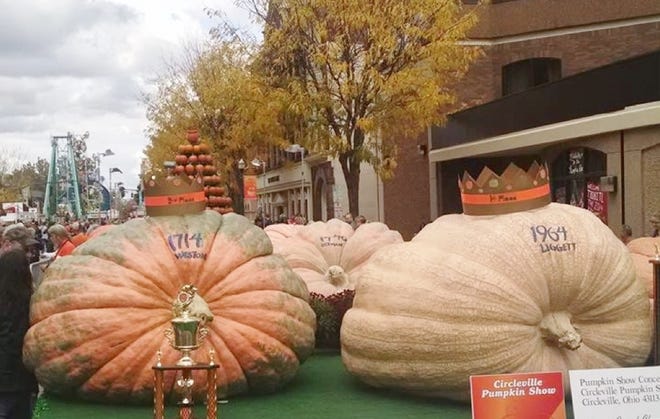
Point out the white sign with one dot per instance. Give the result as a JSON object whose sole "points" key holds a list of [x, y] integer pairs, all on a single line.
{"points": [[14, 206], [616, 393]]}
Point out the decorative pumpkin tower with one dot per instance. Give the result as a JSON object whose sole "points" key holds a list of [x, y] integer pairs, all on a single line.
{"points": [[194, 159]]}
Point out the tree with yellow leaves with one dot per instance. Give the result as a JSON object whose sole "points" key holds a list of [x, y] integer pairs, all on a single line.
{"points": [[358, 73], [213, 90]]}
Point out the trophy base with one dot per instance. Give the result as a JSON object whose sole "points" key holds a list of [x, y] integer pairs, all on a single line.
{"points": [[185, 361]]}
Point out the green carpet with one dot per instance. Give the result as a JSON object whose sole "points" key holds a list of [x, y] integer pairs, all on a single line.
{"points": [[322, 390]]}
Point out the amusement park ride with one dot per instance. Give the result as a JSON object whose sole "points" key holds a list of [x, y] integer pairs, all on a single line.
{"points": [[74, 183]]}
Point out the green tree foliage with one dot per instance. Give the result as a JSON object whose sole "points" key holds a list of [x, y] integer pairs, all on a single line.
{"points": [[359, 73], [15, 176]]}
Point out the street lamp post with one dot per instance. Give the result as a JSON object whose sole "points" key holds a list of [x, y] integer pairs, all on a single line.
{"points": [[110, 172], [258, 163], [97, 159], [241, 198], [95, 177], [297, 148]]}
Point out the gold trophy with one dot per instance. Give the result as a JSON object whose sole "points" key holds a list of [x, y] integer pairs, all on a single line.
{"points": [[188, 330], [190, 314]]}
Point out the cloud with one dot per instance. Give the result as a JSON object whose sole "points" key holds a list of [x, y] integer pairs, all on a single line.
{"points": [[81, 65], [63, 37]]}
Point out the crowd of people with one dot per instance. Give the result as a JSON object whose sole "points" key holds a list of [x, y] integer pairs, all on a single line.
{"points": [[626, 234], [355, 222], [18, 386], [22, 245], [264, 220]]}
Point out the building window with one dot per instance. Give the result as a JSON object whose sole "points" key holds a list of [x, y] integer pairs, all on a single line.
{"points": [[522, 75]]}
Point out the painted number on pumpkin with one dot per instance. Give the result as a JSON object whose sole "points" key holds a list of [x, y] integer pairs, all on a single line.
{"points": [[335, 240], [552, 239], [186, 245], [543, 233]]}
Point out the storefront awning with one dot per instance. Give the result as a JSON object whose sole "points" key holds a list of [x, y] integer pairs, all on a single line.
{"points": [[637, 116]]}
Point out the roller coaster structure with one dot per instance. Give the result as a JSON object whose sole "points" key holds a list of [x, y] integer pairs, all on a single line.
{"points": [[62, 186], [73, 186]]}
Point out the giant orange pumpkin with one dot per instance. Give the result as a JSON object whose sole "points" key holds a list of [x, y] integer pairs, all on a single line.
{"points": [[99, 316]]}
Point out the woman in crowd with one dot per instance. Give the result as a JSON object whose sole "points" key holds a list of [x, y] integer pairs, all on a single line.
{"points": [[18, 386], [61, 239]]}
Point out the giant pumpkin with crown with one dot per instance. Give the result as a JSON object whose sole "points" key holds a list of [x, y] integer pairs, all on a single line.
{"points": [[514, 284], [99, 317]]}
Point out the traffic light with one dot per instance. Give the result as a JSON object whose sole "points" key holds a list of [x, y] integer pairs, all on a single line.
{"points": [[122, 191]]}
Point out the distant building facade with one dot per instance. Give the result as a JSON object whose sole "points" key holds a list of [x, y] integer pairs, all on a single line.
{"points": [[300, 183], [571, 82]]}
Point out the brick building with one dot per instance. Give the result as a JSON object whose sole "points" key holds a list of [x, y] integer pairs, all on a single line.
{"points": [[573, 82]]}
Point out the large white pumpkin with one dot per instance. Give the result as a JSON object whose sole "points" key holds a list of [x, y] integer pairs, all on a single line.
{"points": [[328, 256], [540, 290]]}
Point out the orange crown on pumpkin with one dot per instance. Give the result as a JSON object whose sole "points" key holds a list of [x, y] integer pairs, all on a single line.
{"points": [[173, 195], [514, 190]]}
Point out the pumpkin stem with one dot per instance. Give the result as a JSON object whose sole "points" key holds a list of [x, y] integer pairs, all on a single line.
{"points": [[336, 276], [556, 327]]}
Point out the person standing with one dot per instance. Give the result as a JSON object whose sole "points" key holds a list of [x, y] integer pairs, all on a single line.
{"points": [[626, 234], [77, 235], [267, 220], [18, 386], [655, 226], [348, 218], [19, 236], [60, 237]]}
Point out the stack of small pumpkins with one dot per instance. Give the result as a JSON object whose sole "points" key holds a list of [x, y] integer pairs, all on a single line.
{"points": [[194, 159]]}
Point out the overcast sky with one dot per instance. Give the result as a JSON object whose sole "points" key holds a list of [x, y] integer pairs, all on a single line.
{"points": [[80, 65]]}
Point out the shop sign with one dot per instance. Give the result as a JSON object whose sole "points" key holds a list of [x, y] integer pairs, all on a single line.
{"points": [[576, 161], [597, 201], [250, 187]]}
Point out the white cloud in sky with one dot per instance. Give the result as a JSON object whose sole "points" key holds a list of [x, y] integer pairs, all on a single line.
{"points": [[81, 65]]}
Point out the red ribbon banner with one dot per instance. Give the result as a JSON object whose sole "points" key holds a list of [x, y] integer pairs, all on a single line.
{"points": [[186, 198]]}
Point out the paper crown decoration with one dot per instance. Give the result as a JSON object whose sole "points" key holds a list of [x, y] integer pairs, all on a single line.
{"points": [[173, 195], [514, 190]]}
